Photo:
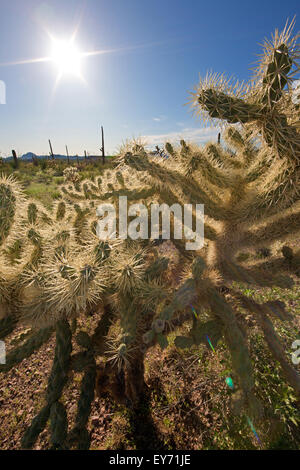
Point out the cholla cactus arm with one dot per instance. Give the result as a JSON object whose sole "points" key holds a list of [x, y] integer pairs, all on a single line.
{"points": [[278, 64], [150, 294], [11, 210], [285, 190], [128, 271], [61, 210], [221, 100], [32, 212], [258, 169], [71, 195], [234, 138], [45, 218], [138, 290], [209, 232], [37, 241], [165, 177], [80, 223], [128, 323], [8, 319], [73, 287], [184, 297], [14, 252], [209, 172], [109, 187], [8, 208], [197, 287], [157, 268], [259, 103], [101, 331], [270, 200], [276, 75], [224, 158], [169, 148], [234, 338]]}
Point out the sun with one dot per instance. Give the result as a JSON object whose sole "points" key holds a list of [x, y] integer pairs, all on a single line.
{"points": [[66, 56]]}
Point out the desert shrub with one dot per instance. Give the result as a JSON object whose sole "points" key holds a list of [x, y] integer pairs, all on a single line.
{"points": [[71, 174]]}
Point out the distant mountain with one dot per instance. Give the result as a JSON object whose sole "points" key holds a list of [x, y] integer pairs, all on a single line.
{"points": [[30, 155]]}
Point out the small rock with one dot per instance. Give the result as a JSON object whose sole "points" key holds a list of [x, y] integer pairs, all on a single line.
{"points": [[95, 420]]}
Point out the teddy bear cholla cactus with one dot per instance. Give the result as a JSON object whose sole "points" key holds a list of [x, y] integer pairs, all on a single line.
{"points": [[251, 199], [62, 271], [230, 187], [126, 284], [71, 174], [265, 106]]}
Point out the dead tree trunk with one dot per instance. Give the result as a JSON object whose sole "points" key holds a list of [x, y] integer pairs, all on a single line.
{"points": [[102, 148], [51, 150], [68, 155], [16, 161]]}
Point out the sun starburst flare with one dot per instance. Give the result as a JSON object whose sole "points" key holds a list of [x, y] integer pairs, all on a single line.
{"points": [[65, 54], [66, 57]]}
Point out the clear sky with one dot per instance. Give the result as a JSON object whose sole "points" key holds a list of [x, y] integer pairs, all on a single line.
{"points": [[158, 49]]}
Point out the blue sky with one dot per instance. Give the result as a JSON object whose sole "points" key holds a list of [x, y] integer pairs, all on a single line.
{"points": [[159, 49]]}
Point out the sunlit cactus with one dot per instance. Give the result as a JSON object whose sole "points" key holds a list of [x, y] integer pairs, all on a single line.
{"points": [[63, 271], [250, 192], [54, 270], [261, 103], [11, 209], [231, 188], [61, 210], [32, 212], [71, 174], [169, 148]]}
